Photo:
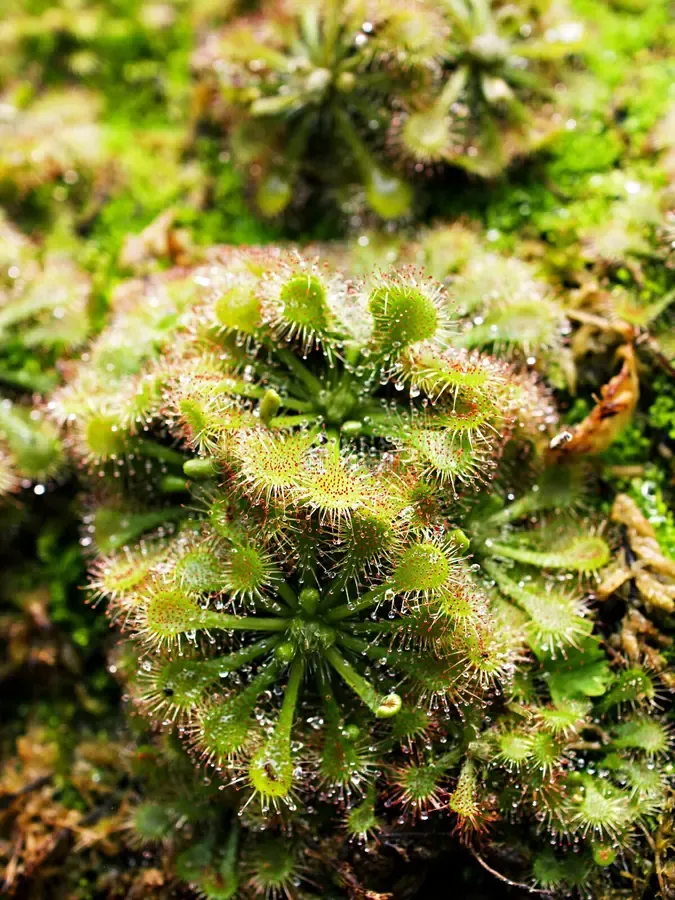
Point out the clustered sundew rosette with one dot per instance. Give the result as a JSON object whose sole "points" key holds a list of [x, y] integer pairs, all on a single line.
{"points": [[322, 494], [334, 602], [377, 95]]}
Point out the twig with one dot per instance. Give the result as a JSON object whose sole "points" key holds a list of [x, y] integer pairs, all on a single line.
{"points": [[516, 884], [585, 745], [661, 358], [601, 733], [657, 860], [7, 800]]}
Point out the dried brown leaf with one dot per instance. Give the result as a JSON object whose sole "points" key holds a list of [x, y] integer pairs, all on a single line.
{"points": [[608, 417]]}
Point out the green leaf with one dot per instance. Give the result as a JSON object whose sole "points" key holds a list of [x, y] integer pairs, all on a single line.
{"points": [[581, 672]]}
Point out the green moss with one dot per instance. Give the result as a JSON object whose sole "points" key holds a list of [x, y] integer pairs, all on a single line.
{"points": [[661, 414], [649, 494], [620, 35], [591, 146]]}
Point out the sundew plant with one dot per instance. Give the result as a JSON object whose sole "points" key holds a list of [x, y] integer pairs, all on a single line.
{"points": [[328, 427], [376, 95]]}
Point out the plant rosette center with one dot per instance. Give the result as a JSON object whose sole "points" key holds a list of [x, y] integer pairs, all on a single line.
{"points": [[338, 406], [307, 632]]}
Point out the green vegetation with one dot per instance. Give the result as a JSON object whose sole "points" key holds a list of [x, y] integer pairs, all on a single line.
{"points": [[337, 449]]}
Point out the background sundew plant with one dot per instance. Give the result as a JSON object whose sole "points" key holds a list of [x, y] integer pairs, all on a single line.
{"points": [[337, 449], [322, 89]]}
